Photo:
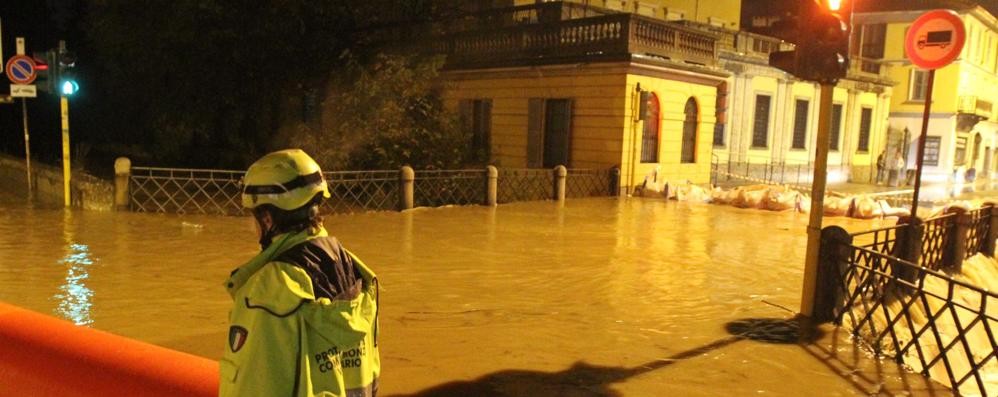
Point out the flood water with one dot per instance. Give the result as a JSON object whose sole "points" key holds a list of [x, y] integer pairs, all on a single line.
{"points": [[601, 297]]}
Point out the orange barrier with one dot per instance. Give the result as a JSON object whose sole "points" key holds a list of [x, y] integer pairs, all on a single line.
{"points": [[45, 356]]}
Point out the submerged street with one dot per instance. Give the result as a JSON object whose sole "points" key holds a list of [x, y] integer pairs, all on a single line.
{"points": [[623, 297]]}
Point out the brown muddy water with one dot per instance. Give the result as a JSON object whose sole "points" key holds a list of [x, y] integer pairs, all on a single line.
{"points": [[601, 297]]}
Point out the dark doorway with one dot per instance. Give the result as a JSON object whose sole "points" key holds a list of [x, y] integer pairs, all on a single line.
{"points": [[557, 131]]}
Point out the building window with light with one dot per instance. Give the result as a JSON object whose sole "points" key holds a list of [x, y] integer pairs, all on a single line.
{"points": [[649, 135], [800, 124], [918, 84], [865, 122], [689, 150], [760, 124], [835, 132]]}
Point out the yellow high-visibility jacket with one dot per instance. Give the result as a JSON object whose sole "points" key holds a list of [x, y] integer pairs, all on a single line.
{"points": [[293, 331]]}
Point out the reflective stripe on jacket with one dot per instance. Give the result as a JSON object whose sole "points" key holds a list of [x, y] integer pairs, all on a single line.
{"points": [[289, 336]]}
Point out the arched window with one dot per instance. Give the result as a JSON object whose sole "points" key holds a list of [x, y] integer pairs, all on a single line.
{"points": [[689, 152], [649, 136]]}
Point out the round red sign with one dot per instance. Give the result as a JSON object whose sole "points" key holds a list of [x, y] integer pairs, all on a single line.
{"points": [[935, 39], [21, 69]]}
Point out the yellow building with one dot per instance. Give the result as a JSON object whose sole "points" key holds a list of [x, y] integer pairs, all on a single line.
{"points": [[587, 86], [772, 125], [711, 98], [963, 125]]}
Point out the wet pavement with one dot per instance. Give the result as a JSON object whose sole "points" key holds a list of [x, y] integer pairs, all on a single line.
{"points": [[601, 297]]}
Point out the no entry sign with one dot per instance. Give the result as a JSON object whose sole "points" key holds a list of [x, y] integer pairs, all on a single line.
{"points": [[935, 39], [21, 69]]}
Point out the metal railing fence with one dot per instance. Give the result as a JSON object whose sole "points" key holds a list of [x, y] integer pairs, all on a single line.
{"points": [[185, 191], [588, 183], [936, 324], [895, 288], [524, 184], [218, 192], [442, 187], [358, 191], [881, 240]]}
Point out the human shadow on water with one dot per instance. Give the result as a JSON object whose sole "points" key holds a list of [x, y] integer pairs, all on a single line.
{"points": [[582, 379]]}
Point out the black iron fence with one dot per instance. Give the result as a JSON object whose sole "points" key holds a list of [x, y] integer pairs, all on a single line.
{"points": [[895, 288], [217, 192]]}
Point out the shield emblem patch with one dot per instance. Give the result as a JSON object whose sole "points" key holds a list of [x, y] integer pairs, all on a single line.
{"points": [[237, 337]]}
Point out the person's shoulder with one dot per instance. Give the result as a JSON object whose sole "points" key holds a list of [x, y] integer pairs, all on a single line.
{"points": [[279, 287]]}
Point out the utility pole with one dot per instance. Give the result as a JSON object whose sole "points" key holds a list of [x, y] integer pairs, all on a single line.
{"points": [[817, 199], [821, 54]]}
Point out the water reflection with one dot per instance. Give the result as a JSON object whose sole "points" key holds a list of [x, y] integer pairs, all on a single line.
{"points": [[74, 295]]}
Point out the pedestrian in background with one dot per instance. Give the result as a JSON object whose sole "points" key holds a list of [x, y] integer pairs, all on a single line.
{"points": [[304, 320], [881, 164], [899, 165]]}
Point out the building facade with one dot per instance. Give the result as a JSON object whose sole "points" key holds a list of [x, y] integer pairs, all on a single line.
{"points": [[962, 134], [671, 87]]}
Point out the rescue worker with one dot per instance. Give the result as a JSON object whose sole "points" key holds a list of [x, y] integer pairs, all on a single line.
{"points": [[304, 320]]}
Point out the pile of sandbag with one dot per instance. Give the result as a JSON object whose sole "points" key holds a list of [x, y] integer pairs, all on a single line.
{"points": [[782, 198], [654, 186], [767, 197], [966, 205]]}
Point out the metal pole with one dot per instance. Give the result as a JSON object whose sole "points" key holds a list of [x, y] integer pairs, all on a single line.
{"points": [[27, 146], [817, 201], [921, 142], [66, 173]]}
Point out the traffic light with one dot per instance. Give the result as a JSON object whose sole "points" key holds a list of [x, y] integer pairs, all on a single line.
{"points": [[66, 77], [821, 40], [47, 71]]}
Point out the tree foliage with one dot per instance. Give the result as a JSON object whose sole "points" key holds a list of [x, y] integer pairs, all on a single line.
{"points": [[216, 83]]}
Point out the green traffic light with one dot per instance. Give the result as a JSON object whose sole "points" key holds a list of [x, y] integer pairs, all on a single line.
{"points": [[69, 87]]}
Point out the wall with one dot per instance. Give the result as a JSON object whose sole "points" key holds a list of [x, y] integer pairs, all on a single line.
{"points": [[598, 106], [672, 97], [87, 191]]}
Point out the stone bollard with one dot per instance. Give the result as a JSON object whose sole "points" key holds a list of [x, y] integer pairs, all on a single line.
{"points": [[407, 180], [988, 248], [560, 174], [615, 181], [491, 185], [954, 254], [833, 258], [122, 173]]}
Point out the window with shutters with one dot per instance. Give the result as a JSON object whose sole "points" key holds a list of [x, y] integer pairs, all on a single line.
{"points": [[835, 131], [800, 124], [918, 83], [874, 39], [865, 122], [476, 121], [549, 128], [689, 151], [650, 132], [760, 124]]}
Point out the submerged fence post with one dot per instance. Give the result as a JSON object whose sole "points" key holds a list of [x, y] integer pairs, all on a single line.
{"points": [[491, 185], [560, 174], [122, 173], [407, 178], [957, 250], [834, 254], [615, 181], [988, 248], [908, 246]]}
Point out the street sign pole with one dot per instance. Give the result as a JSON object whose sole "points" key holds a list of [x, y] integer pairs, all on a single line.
{"points": [[27, 146], [921, 140], [934, 40], [66, 173], [817, 201]]}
